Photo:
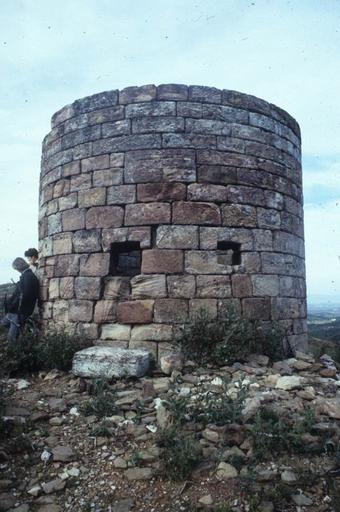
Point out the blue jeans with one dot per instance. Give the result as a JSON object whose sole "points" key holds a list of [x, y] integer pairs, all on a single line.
{"points": [[11, 322]]}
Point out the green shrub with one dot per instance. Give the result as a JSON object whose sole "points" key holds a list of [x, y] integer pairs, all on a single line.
{"points": [[103, 402], [179, 455]]}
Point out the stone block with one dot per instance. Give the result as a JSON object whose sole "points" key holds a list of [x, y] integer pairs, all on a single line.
{"points": [[117, 159], [122, 194], [95, 162], [51, 177], [43, 227], [181, 286], [207, 192], [205, 262], [225, 113], [73, 219], [292, 287], [230, 144], [251, 262], [133, 234], [137, 94], [245, 195], [167, 261], [170, 311], [239, 215], [219, 174], [149, 192], [195, 213], [82, 151], [190, 109], [109, 362], [292, 223], [81, 182], [62, 243], [122, 127], [51, 207], [66, 265], [177, 237], [87, 331], [213, 286], [54, 224], [80, 310], [282, 264], [95, 196], [116, 332], [263, 239], [284, 307], [241, 285], [146, 286], [87, 134], [205, 94], [152, 332], [288, 243], [61, 311], [225, 305], [157, 124], [268, 218], [71, 169], [104, 217], [46, 247], [273, 199], [105, 311], [165, 165], [208, 306], [87, 287], [68, 202], [107, 177], [127, 143], [172, 92], [265, 286], [87, 240], [147, 213], [256, 308], [153, 109], [188, 140], [66, 287], [298, 342], [96, 264], [150, 347], [61, 188], [210, 236], [207, 126], [116, 287], [225, 158], [135, 312], [96, 102], [53, 289]]}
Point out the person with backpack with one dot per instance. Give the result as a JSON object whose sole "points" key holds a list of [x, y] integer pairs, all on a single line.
{"points": [[20, 305]]}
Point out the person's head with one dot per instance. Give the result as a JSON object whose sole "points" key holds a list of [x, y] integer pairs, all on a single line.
{"points": [[20, 265], [32, 256]]}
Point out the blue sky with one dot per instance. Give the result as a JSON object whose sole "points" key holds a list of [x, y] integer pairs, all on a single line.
{"points": [[286, 52]]}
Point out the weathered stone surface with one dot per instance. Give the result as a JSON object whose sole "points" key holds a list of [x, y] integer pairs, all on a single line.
{"points": [[219, 174], [285, 264], [210, 236], [188, 140], [116, 332], [171, 362], [292, 287], [207, 126], [87, 240], [80, 310], [62, 453], [107, 177], [96, 196], [62, 243], [181, 286], [66, 265], [73, 219], [122, 127], [239, 215], [104, 311], [54, 224], [170, 310], [104, 216], [116, 287], [96, 264], [167, 165], [95, 162], [135, 312], [133, 234], [152, 332], [149, 192], [168, 261], [147, 213], [245, 195], [145, 286], [209, 306], [177, 237], [81, 182], [127, 143], [205, 94], [157, 124], [68, 202], [172, 92], [207, 192], [213, 286], [137, 94], [66, 287], [268, 218], [288, 308], [195, 213], [289, 382], [205, 262], [87, 287], [110, 362], [139, 473], [256, 308], [226, 471], [241, 285], [53, 289], [265, 285], [121, 194], [71, 169]]}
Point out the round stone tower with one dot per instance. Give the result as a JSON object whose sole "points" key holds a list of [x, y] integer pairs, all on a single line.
{"points": [[156, 202]]}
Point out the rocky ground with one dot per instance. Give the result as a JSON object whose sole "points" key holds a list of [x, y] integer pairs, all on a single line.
{"points": [[69, 445]]}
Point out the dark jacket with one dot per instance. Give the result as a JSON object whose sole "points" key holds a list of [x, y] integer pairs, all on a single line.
{"points": [[26, 293]]}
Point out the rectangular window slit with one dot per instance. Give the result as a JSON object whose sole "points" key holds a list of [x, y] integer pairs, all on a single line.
{"points": [[125, 259], [228, 253]]}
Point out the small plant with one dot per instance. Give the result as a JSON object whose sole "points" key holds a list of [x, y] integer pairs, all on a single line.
{"points": [[104, 429], [103, 402], [224, 507], [270, 341], [178, 407], [179, 455]]}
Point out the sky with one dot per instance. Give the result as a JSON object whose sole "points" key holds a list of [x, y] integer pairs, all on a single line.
{"points": [[286, 52]]}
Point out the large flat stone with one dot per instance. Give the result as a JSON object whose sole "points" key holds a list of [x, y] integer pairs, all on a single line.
{"points": [[110, 362]]}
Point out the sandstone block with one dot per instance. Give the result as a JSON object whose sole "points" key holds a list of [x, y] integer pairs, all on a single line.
{"points": [[71, 169], [73, 219], [68, 202], [241, 285], [127, 143], [104, 217], [161, 261], [66, 265], [61, 188], [54, 224], [95, 162], [207, 192], [108, 177], [213, 286], [133, 234], [251, 262], [239, 215], [96, 101], [122, 127], [219, 158], [205, 262], [188, 140], [144, 286], [177, 237], [205, 126], [205, 94], [66, 287], [265, 286], [93, 197], [151, 347], [152, 332], [216, 174], [210, 236], [116, 288], [288, 308], [263, 239], [292, 223], [80, 310], [157, 124], [96, 264], [247, 195], [87, 240], [189, 109], [87, 134], [51, 207], [268, 218], [87, 331], [292, 287], [155, 108], [172, 92], [110, 362], [149, 192], [224, 305], [274, 199], [87, 287], [51, 177], [286, 242], [256, 308], [46, 247], [195, 213], [117, 159], [122, 194], [231, 144], [53, 289], [81, 182], [105, 311], [209, 306], [61, 312], [135, 312], [181, 286], [285, 264], [147, 213], [137, 94], [116, 332], [62, 244], [171, 362], [170, 311], [225, 113]]}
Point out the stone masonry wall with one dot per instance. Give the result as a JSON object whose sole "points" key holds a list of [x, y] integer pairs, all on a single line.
{"points": [[200, 187]]}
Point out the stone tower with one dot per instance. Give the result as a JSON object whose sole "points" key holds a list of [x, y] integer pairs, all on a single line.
{"points": [[156, 202]]}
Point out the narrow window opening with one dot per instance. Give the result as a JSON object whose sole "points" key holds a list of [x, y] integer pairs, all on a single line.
{"points": [[125, 259], [229, 253]]}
